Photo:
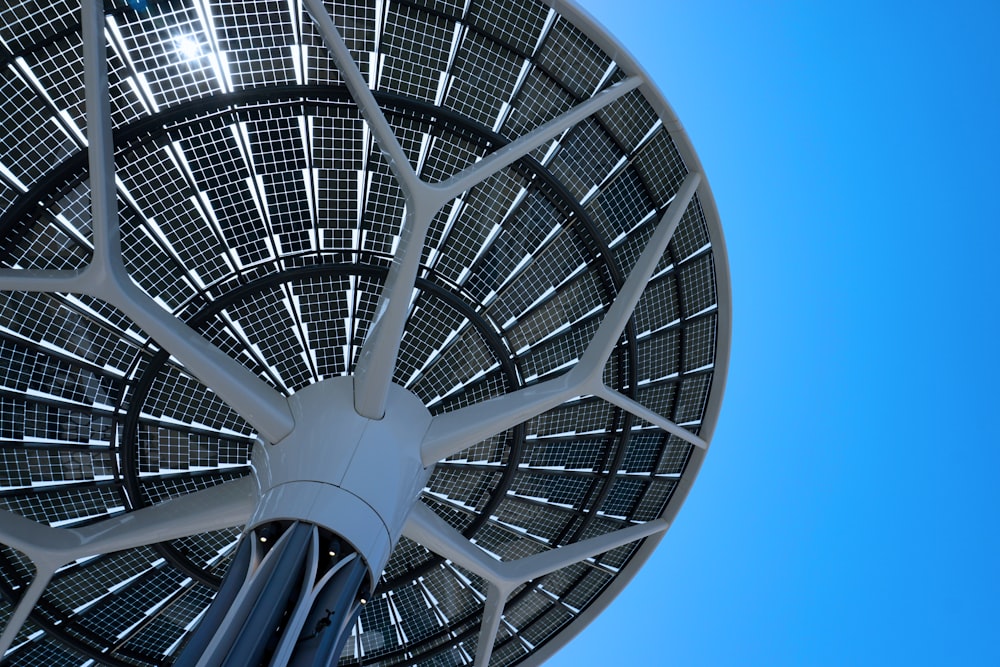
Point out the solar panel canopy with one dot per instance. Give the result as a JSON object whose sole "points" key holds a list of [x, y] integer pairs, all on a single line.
{"points": [[478, 178]]}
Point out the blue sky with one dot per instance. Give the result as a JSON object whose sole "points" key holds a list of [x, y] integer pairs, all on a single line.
{"points": [[847, 511]]}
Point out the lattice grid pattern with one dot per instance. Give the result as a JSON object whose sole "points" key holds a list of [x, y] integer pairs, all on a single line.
{"points": [[255, 204]]}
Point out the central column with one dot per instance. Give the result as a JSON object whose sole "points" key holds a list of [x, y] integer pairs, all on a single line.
{"points": [[333, 497], [356, 477]]}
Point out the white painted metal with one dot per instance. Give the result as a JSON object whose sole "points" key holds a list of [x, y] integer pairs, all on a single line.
{"points": [[106, 277], [591, 366], [520, 147], [222, 506], [100, 141], [263, 407], [451, 432], [362, 95], [642, 412], [378, 354], [427, 528], [353, 454], [49, 548], [377, 359], [256, 401], [43, 575], [34, 280], [492, 615], [430, 530], [355, 476]]}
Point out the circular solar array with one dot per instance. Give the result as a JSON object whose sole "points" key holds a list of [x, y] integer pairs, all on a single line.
{"points": [[255, 205]]}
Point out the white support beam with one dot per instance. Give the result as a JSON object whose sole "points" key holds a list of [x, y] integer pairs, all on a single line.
{"points": [[255, 400], [221, 506], [215, 508], [101, 157], [514, 151], [451, 432], [106, 277], [641, 411], [530, 568], [39, 542], [599, 349], [362, 95], [379, 353], [24, 606], [46, 548], [425, 527], [100, 142], [45, 281], [492, 615], [377, 359]]}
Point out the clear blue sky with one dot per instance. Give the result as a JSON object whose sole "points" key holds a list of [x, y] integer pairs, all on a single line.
{"points": [[847, 513]]}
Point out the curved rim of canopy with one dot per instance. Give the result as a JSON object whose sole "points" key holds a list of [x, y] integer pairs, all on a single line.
{"points": [[595, 31]]}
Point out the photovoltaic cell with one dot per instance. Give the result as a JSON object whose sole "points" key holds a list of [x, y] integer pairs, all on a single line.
{"points": [[255, 205]]}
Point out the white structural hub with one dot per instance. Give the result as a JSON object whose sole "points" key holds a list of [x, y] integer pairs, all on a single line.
{"points": [[357, 477], [399, 326]]}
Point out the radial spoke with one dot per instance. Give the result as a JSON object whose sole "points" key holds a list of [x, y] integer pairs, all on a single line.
{"points": [[378, 355], [377, 359], [24, 607], [256, 401], [101, 154], [362, 94], [639, 410], [215, 508], [538, 565], [43, 544], [426, 528], [103, 196], [492, 614], [514, 151], [603, 343], [451, 432], [32, 280], [221, 506]]}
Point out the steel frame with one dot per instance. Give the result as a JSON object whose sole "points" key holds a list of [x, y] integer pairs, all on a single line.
{"points": [[270, 413]]}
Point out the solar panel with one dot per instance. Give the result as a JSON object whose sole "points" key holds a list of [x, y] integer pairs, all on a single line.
{"points": [[259, 204]]}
